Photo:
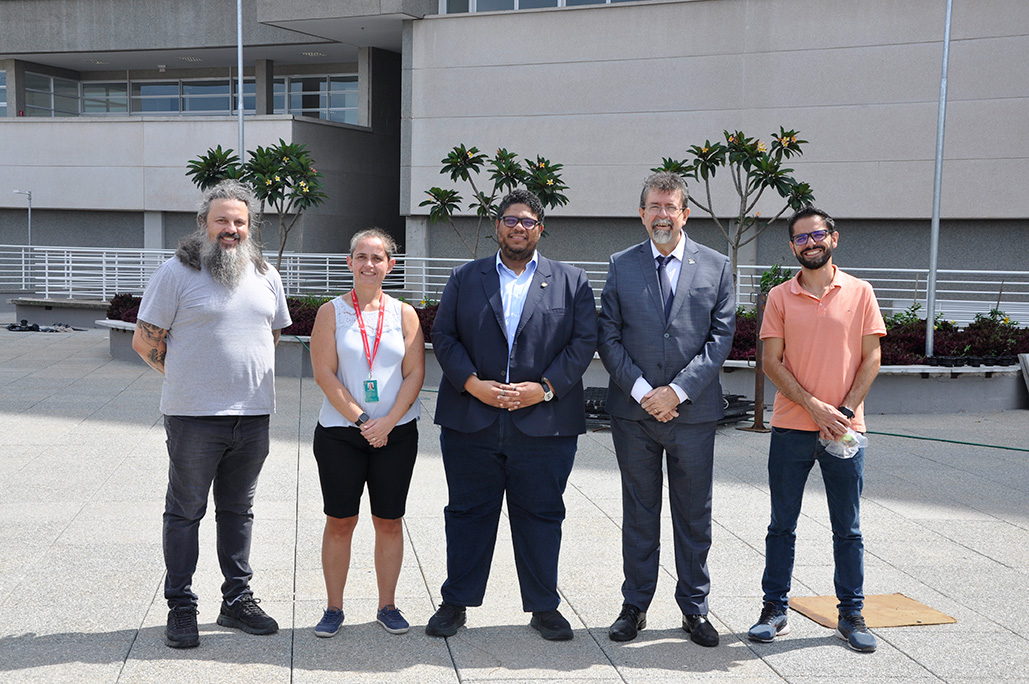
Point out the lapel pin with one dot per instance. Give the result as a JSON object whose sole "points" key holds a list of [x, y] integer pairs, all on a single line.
{"points": [[543, 284], [692, 261]]}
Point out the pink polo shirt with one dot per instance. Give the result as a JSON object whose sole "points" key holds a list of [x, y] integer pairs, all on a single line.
{"points": [[822, 342]]}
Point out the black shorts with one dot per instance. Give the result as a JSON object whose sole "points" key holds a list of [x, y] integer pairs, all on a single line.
{"points": [[346, 461]]}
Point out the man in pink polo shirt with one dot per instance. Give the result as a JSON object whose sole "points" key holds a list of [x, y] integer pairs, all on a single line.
{"points": [[821, 334]]}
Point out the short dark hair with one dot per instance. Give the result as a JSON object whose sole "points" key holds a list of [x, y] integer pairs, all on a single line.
{"points": [[811, 211], [521, 196], [665, 181], [388, 243]]}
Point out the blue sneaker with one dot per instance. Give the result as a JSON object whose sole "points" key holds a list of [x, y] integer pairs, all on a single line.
{"points": [[391, 620], [771, 624], [852, 629], [330, 624]]}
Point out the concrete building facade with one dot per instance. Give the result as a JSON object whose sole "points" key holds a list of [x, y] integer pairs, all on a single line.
{"points": [[605, 88]]}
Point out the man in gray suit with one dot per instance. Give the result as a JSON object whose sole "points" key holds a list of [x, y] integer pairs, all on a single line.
{"points": [[666, 325]]}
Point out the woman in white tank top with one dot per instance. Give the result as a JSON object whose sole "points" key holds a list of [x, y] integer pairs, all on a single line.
{"points": [[368, 356]]}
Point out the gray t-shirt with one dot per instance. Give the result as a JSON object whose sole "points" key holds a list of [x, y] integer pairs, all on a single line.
{"points": [[221, 351]]}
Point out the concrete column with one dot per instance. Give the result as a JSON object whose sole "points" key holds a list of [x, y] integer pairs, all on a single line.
{"points": [[153, 230], [416, 238], [364, 85], [264, 86], [15, 71]]}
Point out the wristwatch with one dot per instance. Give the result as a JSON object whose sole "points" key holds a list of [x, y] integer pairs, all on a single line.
{"points": [[845, 411], [548, 393], [362, 419]]}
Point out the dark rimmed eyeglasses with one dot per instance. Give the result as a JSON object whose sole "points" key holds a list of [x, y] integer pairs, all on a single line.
{"points": [[512, 221], [816, 235]]}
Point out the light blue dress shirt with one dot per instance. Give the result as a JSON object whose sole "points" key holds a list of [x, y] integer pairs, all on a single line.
{"points": [[514, 288]]}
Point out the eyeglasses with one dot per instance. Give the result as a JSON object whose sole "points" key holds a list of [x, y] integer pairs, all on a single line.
{"points": [[815, 235], [669, 209], [512, 221]]}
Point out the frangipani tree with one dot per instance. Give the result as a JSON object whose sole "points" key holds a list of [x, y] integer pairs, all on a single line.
{"points": [[506, 172], [282, 176], [754, 168]]}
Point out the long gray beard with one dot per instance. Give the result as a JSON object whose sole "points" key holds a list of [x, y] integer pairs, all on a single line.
{"points": [[228, 266]]}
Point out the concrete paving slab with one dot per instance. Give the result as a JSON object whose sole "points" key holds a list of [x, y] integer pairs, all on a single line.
{"points": [[944, 523]]}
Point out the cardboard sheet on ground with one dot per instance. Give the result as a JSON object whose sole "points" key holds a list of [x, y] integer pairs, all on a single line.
{"points": [[882, 610]]}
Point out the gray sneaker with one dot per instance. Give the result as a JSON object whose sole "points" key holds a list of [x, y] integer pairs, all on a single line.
{"points": [[771, 624], [245, 614], [852, 629]]}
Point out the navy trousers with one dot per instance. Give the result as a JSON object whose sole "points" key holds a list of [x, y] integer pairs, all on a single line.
{"points": [[481, 468]]}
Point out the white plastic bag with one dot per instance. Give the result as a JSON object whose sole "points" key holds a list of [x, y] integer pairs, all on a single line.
{"points": [[846, 446]]}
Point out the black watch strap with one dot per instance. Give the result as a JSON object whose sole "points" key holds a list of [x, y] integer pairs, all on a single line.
{"points": [[845, 411], [362, 419]]}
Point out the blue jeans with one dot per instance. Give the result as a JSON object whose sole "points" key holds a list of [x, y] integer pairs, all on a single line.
{"points": [[533, 471], [228, 452], [791, 455]]}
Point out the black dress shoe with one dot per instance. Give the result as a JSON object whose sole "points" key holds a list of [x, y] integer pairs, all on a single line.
{"points": [[630, 621], [701, 631], [551, 625]]}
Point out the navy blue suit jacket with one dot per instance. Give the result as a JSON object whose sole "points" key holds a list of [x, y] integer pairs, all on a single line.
{"points": [[556, 339]]}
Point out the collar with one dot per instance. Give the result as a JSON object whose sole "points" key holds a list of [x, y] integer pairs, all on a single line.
{"points": [[530, 266], [798, 289]]}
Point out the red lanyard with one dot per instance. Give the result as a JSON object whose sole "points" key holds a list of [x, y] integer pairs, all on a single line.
{"points": [[370, 353]]}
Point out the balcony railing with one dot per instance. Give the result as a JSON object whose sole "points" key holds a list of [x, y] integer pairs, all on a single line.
{"points": [[95, 273]]}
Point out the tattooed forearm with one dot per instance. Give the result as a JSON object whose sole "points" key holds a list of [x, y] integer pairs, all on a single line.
{"points": [[149, 343], [150, 332]]}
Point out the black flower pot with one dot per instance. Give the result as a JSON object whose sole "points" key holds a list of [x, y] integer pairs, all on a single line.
{"points": [[974, 361]]}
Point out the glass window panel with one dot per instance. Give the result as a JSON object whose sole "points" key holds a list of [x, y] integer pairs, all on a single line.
{"points": [[100, 106], [37, 82], [533, 4], [63, 103], [212, 105], [344, 116], [3, 78], [160, 105], [205, 88], [66, 88], [337, 83], [343, 100], [60, 113], [456, 6], [155, 89], [104, 90], [36, 111], [37, 99], [493, 5], [572, 3]]}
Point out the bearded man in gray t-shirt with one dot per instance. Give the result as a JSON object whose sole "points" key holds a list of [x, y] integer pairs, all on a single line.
{"points": [[209, 322]]}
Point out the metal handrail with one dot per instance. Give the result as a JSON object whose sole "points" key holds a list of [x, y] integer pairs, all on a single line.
{"points": [[100, 273]]}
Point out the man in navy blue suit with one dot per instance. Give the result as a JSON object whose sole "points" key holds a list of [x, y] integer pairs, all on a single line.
{"points": [[667, 319], [513, 335]]}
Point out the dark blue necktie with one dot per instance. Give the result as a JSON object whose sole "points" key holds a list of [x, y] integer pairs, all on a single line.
{"points": [[666, 283]]}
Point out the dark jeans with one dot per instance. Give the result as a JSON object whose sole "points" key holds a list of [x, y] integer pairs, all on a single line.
{"points": [[533, 471], [791, 455], [228, 452]]}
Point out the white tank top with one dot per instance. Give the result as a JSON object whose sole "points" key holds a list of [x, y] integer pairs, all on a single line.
{"points": [[352, 365]]}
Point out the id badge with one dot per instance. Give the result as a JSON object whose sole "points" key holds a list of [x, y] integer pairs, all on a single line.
{"points": [[371, 390]]}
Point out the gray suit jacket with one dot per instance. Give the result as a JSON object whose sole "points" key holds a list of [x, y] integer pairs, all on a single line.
{"points": [[688, 349]]}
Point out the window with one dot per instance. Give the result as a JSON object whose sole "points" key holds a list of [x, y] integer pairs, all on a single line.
{"points": [[459, 6], [333, 98], [156, 97], [50, 96], [3, 94], [105, 98]]}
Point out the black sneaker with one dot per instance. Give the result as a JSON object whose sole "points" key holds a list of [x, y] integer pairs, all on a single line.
{"points": [[181, 631], [551, 625], [245, 614], [446, 620]]}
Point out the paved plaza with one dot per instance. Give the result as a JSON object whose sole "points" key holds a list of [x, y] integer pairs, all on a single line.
{"points": [[82, 479]]}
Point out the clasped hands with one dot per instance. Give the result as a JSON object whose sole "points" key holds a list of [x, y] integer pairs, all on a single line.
{"points": [[510, 396], [661, 402]]}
